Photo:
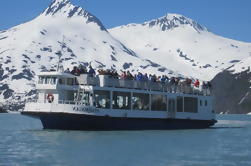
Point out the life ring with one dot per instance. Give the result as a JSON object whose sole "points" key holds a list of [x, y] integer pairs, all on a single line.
{"points": [[50, 98]]}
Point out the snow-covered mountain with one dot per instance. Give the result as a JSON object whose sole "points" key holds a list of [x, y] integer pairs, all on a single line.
{"points": [[188, 48], [185, 46], [172, 45], [61, 30]]}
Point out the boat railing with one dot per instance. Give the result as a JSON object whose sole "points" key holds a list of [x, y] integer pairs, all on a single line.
{"points": [[107, 81], [67, 102], [71, 102]]}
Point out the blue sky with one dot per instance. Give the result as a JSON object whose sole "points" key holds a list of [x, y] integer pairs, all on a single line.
{"points": [[228, 18]]}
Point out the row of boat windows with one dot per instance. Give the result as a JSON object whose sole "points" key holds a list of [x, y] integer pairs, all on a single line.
{"points": [[139, 101], [53, 80]]}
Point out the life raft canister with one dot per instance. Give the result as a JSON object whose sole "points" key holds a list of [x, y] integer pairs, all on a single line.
{"points": [[50, 98]]}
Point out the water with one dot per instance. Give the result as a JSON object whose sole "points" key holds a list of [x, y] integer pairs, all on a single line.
{"points": [[23, 142]]}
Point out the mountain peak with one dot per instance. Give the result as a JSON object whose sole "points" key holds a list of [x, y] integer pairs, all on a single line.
{"points": [[171, 21], [57, 6], [66, 9]]}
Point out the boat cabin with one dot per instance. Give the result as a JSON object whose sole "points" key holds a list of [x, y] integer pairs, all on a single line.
{"points": [[56, 87], [104, 92]]}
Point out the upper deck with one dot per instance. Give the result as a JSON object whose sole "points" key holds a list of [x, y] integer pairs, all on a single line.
{"points": [[108, 81], [55, 80]]}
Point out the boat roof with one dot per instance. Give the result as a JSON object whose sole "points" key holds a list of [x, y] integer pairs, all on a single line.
{"points": [[56, 73]]}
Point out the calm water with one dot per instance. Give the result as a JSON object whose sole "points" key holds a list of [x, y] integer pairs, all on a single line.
{"points": [[23, 142]]}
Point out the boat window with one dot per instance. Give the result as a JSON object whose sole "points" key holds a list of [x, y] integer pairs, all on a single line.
{"points": [[86, 98], [190, 104], [102, 99], [171, 105], [205, 102], [200, 103], [40, 80], [140, 101], [53, 80], [69, 81], [47, 80], [79, 96], [61, 81], [159, 103], [70, 95], [179, 104], [121, 100]]}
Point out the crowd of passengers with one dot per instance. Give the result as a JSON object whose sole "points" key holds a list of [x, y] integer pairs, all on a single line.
{"points": [[127, 75]]}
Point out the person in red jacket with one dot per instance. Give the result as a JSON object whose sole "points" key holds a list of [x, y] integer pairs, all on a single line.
{"points": [[197, 83]]}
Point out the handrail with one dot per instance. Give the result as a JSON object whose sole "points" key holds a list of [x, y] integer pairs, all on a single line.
{"points": [[106, 81], [71, 102]]}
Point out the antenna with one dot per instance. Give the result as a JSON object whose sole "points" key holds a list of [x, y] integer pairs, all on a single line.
{"points": [[60, 55]]}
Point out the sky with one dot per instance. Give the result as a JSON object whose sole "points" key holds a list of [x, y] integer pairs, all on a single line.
{"points": [[227, 18]]}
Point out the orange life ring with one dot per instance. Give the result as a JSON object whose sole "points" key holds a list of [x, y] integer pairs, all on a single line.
{"points": [[50, 98]]}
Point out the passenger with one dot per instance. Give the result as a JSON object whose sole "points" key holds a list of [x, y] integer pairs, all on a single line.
{"points": [[91, 71], [188, 82], [177, 80], [115, 74], [134, 76], [188, 85], [75, 71], [197, 83], [150, 77], [176, 83], [167, 79], [163, 79], [172, 84], [145, 77], [123, 75], [204, 85], [209, 88], [172, 81], [72, 71], [67, 71], [139, 77], [154, 78], [129, 76], [209, 85], [82, 69], [204, 88], [158, 79]]}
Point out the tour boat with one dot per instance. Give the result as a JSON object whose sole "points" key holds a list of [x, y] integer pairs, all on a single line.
{"points": [[86, 102]]}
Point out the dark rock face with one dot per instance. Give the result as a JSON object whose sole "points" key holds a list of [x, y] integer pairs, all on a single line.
{"points": [[25, 74], [54, 8], [7, 92], [127, 65], [128, 51], [232, 92], [2, 109], [170, 23]]}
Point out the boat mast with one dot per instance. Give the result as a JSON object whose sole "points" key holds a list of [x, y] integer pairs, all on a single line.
{"points": [[61, 54]]}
